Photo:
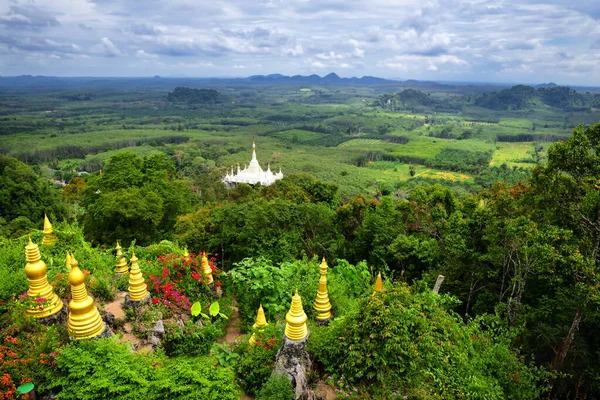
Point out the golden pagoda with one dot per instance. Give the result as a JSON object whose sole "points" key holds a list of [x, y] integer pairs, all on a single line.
{"points": [[68, 261], [137, 287], [186, 254], [39, 288], [378, 284], [206, 269], [118, 249], [84, 318], [122, 267], [322, 305], [261, 321], [295, 327], [49, 236]]}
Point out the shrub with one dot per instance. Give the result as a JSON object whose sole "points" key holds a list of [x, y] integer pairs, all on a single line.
{"points": [[409, 343], [191, 339], [278, 387], [103, 369], [256, 361]]}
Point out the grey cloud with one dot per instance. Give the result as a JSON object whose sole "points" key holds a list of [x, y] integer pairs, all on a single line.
{"points": [[28, 17], [84, 27], [39, 45], [144, 29]]}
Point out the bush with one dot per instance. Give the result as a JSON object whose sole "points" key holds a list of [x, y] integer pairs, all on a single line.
{"points": [[256, 361], [106, 369], [409, 343], [278, 387], [191, 339]]}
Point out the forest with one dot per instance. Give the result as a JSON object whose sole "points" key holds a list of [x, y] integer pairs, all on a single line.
{"points": [[495, 188]]}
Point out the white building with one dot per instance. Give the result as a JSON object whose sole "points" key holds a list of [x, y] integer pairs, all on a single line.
{"points": [[252, 174]]}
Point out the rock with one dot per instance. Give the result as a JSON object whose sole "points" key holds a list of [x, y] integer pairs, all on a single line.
{"points": [[59, 318], [128, 303], [154, 341], [108, 318], [159, 328], [293, 361]]}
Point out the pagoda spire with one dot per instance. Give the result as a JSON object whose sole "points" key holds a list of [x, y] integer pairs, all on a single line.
{"points": [[253, 149], [118, 249], [84, 318], [261, 322], [206, 269], [44, 301], [186, 254], [49, 236], [68, 261], [378, 287], [137, 287], [322, 305], [295, 327]]}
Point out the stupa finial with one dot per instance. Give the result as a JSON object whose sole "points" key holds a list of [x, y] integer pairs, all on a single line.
{"points": [[45, 302], [49, 236], [137, 286], [84, 318], [206, 269], [295, 327], [261, 322], [118, 248], [378, 287], [186, 254], [322, 305], [68, 261]]}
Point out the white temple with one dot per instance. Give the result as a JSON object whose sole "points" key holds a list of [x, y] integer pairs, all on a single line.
{"points": [[252, 174]]}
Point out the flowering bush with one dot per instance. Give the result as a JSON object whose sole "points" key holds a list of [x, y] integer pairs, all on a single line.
{"points": [[178, 281], [341, 387], [256, 361]]}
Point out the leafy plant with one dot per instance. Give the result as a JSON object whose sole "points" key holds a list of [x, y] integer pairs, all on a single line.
{"points": [[278, 387], [224, 354]]}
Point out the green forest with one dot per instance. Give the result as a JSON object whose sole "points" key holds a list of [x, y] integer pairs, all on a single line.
{"points": [[494, 188]]}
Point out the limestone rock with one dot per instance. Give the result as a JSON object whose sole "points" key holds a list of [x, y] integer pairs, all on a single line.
{"points": [[293, 361]]}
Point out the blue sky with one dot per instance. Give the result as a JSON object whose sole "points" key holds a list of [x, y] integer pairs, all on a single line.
{"points": [[497, 41]]}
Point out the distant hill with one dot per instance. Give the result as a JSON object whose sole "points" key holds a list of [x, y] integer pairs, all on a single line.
{"points": [[521, 96], [330, 79], [411, 99], [195, 96]]}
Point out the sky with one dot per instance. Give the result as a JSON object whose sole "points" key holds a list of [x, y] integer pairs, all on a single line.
{"points": [[528, 41]]}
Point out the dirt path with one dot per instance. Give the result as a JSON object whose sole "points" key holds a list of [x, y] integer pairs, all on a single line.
{"points": [[233, 329]]}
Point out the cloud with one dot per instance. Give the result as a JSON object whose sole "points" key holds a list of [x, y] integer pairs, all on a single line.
{"points": [[145, 29], [105, 48], [28, 17]]}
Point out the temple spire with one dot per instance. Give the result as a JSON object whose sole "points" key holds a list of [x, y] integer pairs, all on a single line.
{"points": [[378, 284], [322, 305], [44, 301], [253, 150], [84, 318], [295, 326], [137, 287], [49, 237], [261, 322], [206, 269]]}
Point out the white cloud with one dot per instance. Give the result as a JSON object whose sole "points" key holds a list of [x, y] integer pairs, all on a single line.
{"points": [[105, 48]]}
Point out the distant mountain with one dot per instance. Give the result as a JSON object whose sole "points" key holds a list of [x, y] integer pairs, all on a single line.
{"points": [[520, 96], [330, 79], [546, 85]]}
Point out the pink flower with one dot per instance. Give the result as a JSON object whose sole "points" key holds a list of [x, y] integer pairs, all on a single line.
{"points": [[40, 300]]}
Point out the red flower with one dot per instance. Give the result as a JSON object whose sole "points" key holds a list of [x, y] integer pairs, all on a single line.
{"points": [[165, 272], [195, 275], [154, 300]]}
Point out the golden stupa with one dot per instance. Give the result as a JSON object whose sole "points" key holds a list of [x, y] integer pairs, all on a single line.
{"points": [[119, 253], [68, 261], [49, 236], [206, 270], [137, 287], [122, 267], [378, 284], [84, 318], [295, 327], [39, 288], [261, 321], [322, 305], [186, 255]]}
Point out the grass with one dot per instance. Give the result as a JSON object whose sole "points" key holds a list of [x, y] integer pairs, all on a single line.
{"points": [[512, 154]]}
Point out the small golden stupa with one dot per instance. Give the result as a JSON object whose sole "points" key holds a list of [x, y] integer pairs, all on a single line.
{"points": [[119, 252], [186, 254], [49, 236], [84, 319], [68, 261], [137, 287], [39, 288], [295, 327], [206, 270], [322, 305], [122, 267], [261, 321], [378, 284]]}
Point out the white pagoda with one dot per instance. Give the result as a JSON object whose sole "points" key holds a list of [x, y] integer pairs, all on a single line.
{"points": [[252, 174]]}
